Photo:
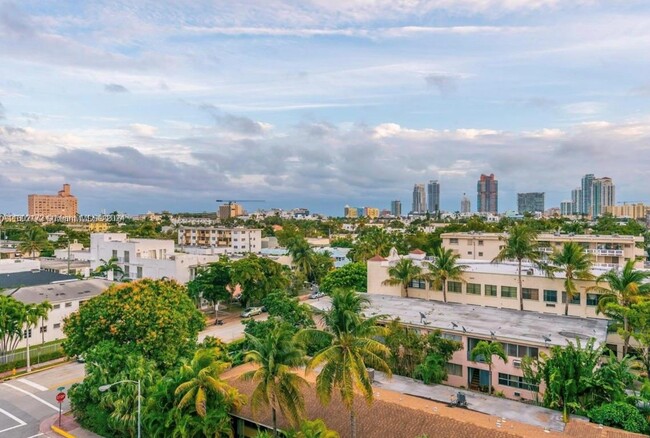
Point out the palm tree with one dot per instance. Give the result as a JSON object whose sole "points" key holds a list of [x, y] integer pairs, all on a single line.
{"points": [[302, 256], [484, 351], [313, 429], [110, 266], [402, 274], [32, 313], [202, 380], [351, 346], [277, 355], [32, 243], [444, 268], [521, 244], [43, 311], [575, 263], [626, 287]]}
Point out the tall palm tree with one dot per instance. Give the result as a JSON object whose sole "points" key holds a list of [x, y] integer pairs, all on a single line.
{"points": [[402, 274], [485, 351], [32, 313], [575, 263], [110, 265], [43, 311], [277, 356], [202, 381], [626, 287], [445, 268], [302, 256], [520, 244], [32, 243], [351, 346]]}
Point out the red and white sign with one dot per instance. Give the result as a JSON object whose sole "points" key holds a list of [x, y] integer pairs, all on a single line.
{"points": [[60, 397]]}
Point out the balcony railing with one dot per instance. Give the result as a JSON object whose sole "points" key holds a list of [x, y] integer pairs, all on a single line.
{"points": [[605, 252]]}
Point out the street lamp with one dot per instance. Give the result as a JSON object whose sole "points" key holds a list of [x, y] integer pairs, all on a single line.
{"points": [[105, 388]]}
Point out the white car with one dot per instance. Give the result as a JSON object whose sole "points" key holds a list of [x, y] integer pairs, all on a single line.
{"points": [[251, 311]]}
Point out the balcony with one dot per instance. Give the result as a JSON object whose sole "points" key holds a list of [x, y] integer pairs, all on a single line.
{"points": [[605, 252]]}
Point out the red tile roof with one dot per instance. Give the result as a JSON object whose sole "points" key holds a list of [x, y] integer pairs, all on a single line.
{"points": [[377, 258]]}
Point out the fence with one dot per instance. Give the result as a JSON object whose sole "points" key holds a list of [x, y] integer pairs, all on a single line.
{"points": [[35, 354]]}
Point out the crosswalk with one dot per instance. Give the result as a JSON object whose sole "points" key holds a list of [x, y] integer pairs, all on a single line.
{"points": [[24, 404]]}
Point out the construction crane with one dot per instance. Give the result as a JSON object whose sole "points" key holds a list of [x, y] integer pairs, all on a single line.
{"points": [[236, 201]]}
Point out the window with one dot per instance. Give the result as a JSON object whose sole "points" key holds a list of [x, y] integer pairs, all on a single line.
{"points": [[127, 271], [592, 299], [454, 369], [514, 350], [56, 326], [68, 304], [490, 290], [469, 252], [550, 296], [574, 300], [127, 257], [454, 286], [473, 288], [453, 241], [530, 294], [27, 333], [43, 329], [480, 254], [418, 284], [480, 243], [56, 306], [508, 292], [452, 337], [139, 274], [114, 254], [516, 382]]}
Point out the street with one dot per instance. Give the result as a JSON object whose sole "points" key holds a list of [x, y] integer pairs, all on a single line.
{"points": [[26, 401]]}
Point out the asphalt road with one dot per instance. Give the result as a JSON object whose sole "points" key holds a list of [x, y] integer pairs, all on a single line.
{"points": [[231, 329], [27, 401]]}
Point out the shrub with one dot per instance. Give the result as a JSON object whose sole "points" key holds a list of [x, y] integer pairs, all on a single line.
{"points": [[620, 415]]}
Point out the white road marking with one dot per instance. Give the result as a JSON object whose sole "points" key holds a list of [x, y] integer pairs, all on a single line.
{"points": [[32, 384], [33, 396], [13, 417], [38, 434]]}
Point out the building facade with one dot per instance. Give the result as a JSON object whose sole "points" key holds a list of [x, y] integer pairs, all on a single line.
{"points": [[607, 251], [566, 208], [396, 208], [636, 211], [465, 205], [603, 195], [419, 205], [576, 196], [532, 202], [433, 196], [350, 212], [371, 212], [230, 210], [586, 187], [236, 240], [63, 204], [487, 194]]}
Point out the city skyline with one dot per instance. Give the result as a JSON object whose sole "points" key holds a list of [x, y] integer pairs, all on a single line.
{"points": [[152, 106]]}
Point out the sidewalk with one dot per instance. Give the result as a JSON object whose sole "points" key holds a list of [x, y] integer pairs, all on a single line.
{"points": [[479, 402], [68, 424], [9, 374]]}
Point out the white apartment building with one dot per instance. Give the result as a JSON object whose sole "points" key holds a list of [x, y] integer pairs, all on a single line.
{"points": [[235, 240], [150, 258], [66, 298], [608, 251]]}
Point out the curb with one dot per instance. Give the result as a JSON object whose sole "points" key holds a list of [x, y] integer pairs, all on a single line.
{"points": [[37, 370], [61, 432]]}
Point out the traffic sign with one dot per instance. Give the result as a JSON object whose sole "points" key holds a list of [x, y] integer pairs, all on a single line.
{"points": [[60, 397]]}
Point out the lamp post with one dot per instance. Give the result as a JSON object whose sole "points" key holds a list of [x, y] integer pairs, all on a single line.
{"points": [[105, 388]]}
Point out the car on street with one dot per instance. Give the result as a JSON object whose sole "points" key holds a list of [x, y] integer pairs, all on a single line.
{"points": [[316, 294], [251, 311]]}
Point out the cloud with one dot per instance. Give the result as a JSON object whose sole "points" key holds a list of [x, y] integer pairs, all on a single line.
{"points": [[142, 130], [584, 108], [444, 83], [115, 88], [234, 123]]}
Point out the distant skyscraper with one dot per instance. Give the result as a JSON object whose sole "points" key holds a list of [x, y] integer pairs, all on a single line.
{"points": [[419, 199], [586, 191], [566, 208], [530, 202], [465, 204], [602, 195], [350, 212], [487, 194], [576, 196], [396, 208], [433, 196]]}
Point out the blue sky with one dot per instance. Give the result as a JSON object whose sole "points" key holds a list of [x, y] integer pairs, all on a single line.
{"points": [[151, 105]]}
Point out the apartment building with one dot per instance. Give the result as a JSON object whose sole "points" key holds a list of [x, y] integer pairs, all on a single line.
{"points": [[150, 258], [520, 333], [636, 211], [487, 194], [66, 298], [608, 251], [236, 240], [63, 204]]}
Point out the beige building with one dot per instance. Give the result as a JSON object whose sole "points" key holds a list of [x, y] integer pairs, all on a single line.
{"points": [[63, 204], [608, 251], [371, 212], [230, 210], [239, 240], [634, 211]]}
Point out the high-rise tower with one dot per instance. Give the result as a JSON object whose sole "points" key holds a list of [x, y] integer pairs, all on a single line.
{"points": [[419, 199], [433, 196], [487, 194]]}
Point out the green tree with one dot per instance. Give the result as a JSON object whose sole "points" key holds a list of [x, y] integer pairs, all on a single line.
{"points": [[352, 345], [520, 244], [351, 276], [638, 317], [625, 288], [155, 317], [485, 351], [402, 274], [212, 283], [313, 429], [33, 241], [110, 265], [371, 241], [32, 313], [258, 277], [432, 370], [12, 321], [620, 415], [574, 262], [444, 267], [277, 357]]}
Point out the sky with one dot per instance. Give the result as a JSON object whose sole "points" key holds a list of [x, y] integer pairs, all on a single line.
{"points": [[159, 105]]}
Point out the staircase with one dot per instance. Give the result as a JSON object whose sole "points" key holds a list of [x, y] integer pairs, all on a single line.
{"points": [[475, 383]]}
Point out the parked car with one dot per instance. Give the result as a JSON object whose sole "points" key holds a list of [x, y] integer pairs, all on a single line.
{"points": [[251, 311], [316, 294]]}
